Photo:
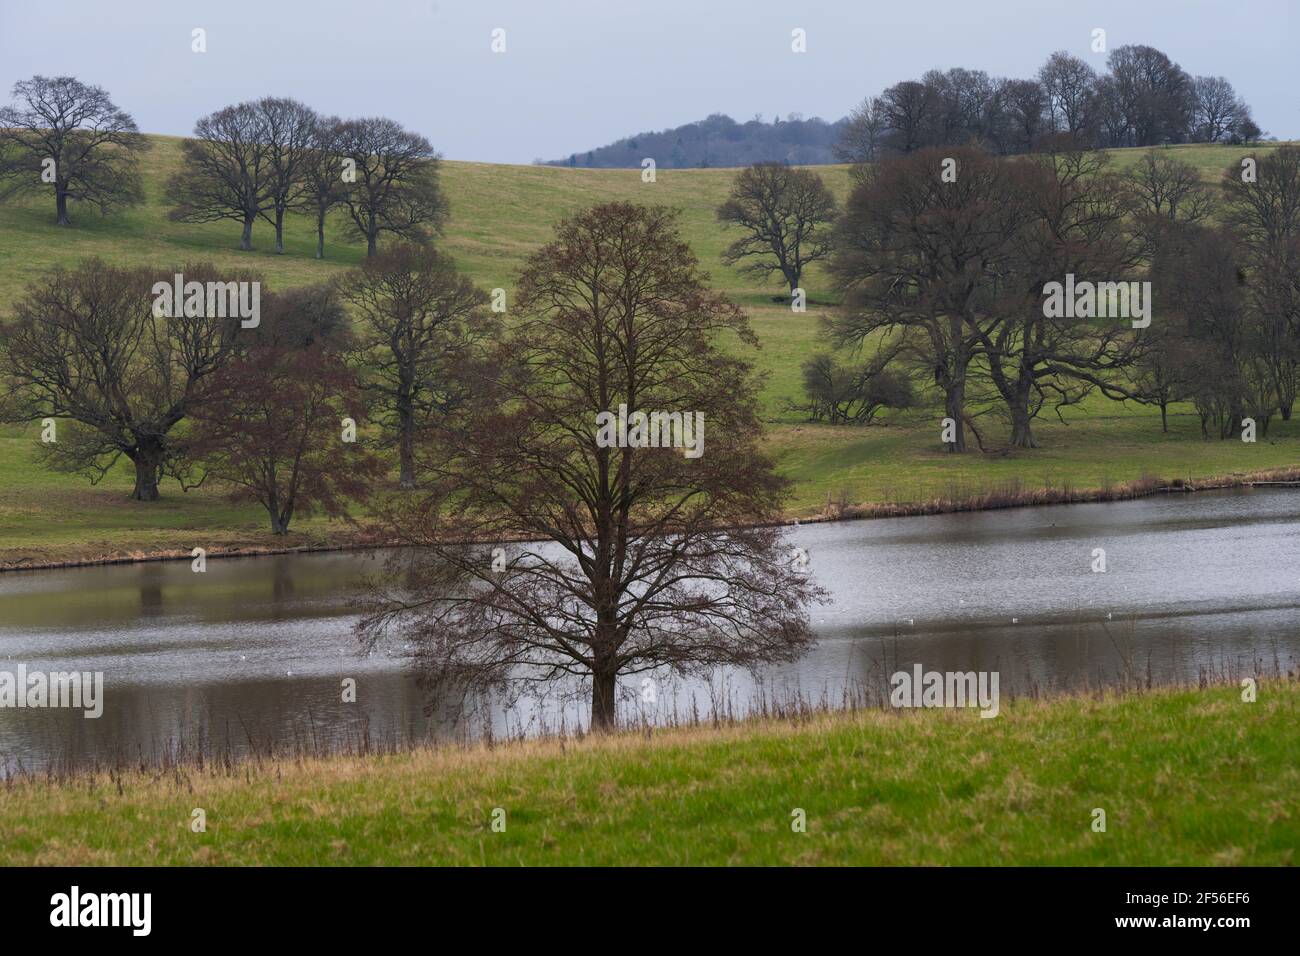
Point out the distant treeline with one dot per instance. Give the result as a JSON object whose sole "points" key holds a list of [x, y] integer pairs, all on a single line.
{"points": [[721, 141], [1142, 99]]}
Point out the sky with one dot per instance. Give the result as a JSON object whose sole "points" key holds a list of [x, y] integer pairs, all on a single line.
{"points": [[577, 75]]}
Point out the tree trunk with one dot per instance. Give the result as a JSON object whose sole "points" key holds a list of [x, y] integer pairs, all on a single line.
{"points": [[604, 687], [279, 232], [320, 236], [279, 516], [955, 408], [246, 240], [1164, 417], [406, 436], [372, 245], [1022, 434], [61, 204], [406, 453], [147, 466]]}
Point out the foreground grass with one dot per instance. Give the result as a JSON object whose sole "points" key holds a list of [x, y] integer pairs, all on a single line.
{"points": [[500, 214], [1185, 777]]}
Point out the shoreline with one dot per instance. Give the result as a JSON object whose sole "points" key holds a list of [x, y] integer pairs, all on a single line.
{"points": [[992, 500], [791, 713]]}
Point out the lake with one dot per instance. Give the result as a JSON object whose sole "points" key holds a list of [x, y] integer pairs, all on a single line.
{"points": [[253, 652]]}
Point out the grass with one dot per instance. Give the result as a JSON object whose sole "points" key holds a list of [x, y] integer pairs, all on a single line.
{"points": [[499, 215], [877, 787]]}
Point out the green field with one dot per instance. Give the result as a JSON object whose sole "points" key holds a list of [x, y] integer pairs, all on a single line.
{"points": [[499, 215], [883, 788]]}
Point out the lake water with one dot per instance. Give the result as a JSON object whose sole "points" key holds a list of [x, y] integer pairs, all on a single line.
{"points": [[254, 651]]}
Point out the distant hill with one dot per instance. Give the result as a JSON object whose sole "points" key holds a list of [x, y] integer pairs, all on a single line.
{"points": [[719, 141]]}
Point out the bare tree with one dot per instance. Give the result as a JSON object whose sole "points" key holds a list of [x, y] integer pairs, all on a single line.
{"points": [[910, 111], [270, 424], [1199, 270], [1247, 131], [70, 135], [228, 171], [1264, 213], [1075, 223], [87, 344], [288, 132], [783, 213], [863, 134], [653, 559], [393, 182], [916, 255], [415, 320], [323, 185], [1069, 83], [1153, 96], [1025, 106], [1216, 108], [1165, 368], [1163, 189]]}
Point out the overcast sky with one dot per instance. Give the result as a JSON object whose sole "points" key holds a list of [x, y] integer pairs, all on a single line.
{"points": [[577, 75]]}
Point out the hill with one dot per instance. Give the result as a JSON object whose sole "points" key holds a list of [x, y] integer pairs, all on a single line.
{"points": [[499, 215], [719, 141]]}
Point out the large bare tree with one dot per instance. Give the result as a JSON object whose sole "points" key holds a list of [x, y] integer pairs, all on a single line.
{"points": [[63, 133], [650, 557], [1075, 222], [1163, 189]]}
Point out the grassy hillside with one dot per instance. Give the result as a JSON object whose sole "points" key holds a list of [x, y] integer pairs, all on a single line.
{"points": [[919, 787], [500, 214]]}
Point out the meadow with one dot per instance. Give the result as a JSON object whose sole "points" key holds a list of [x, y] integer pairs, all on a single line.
{"points": [[499, 215], [939, 787]]}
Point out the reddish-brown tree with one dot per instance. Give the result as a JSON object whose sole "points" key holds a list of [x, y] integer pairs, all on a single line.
{"points": [[271, 424]]}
